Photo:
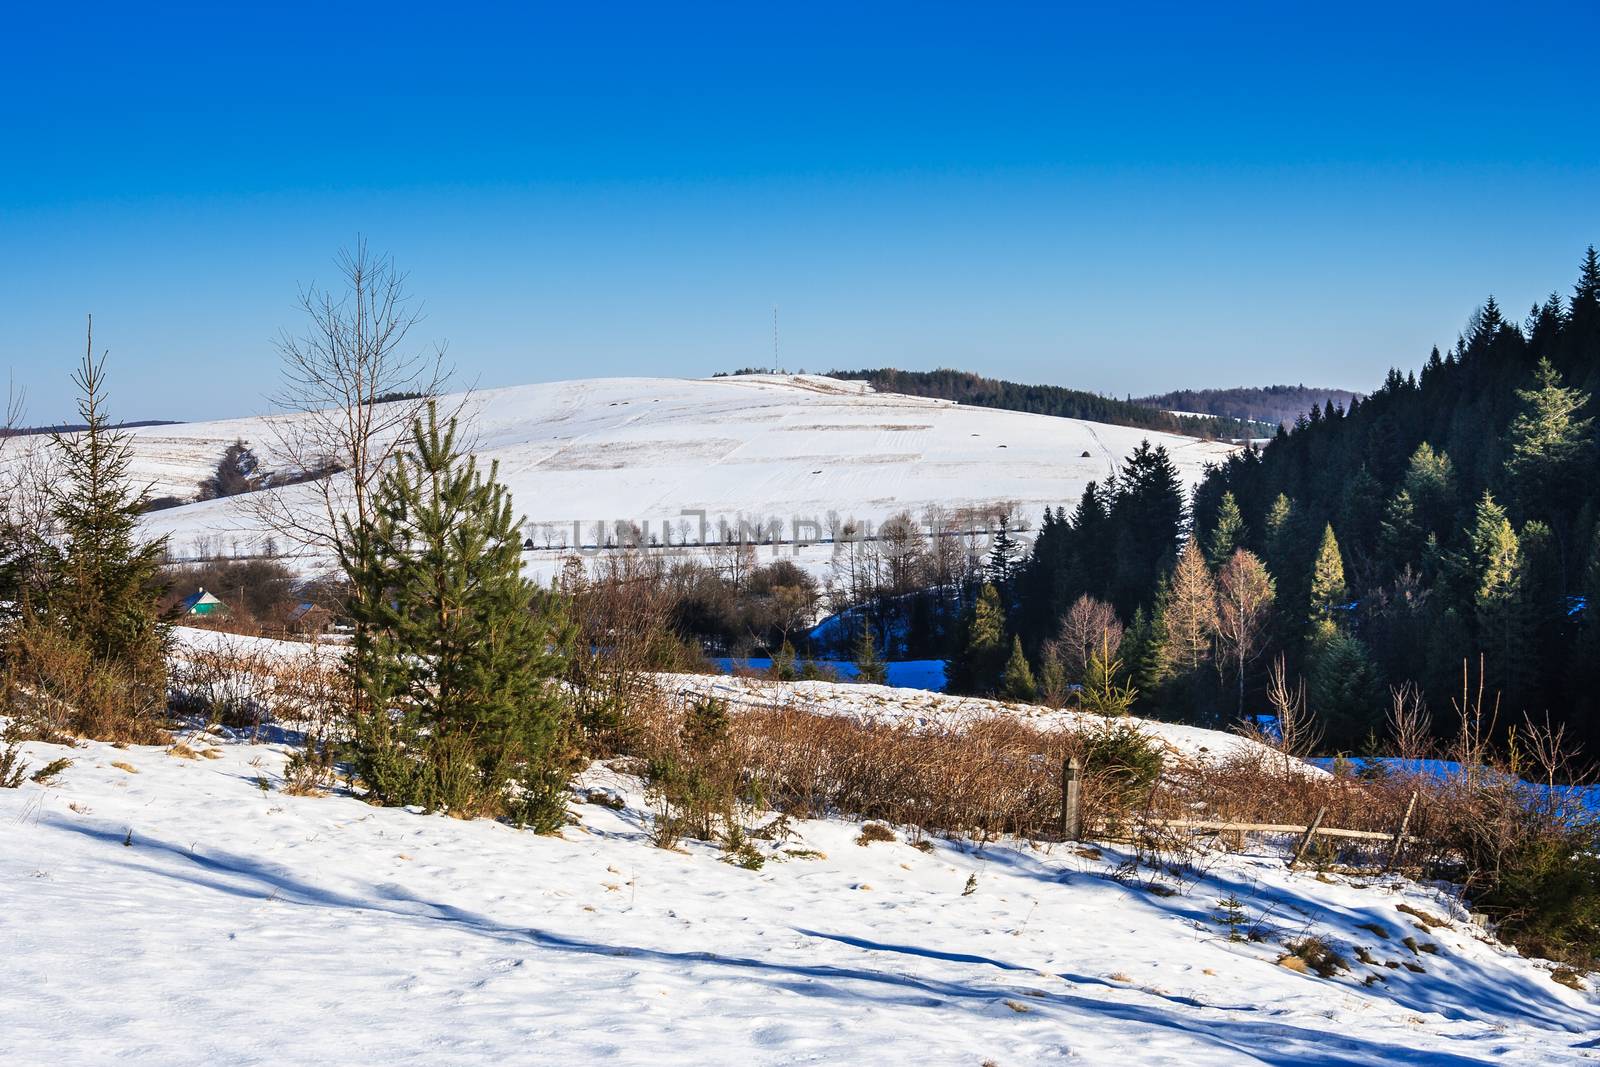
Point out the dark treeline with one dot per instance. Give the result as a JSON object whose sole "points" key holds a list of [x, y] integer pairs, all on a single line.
{"points": [[1271, 404], [1462, 502], [1445, 524], [967, 388], [79, 427]]}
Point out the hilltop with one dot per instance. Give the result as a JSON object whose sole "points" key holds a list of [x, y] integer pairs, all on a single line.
{"points": [[804, 450]]}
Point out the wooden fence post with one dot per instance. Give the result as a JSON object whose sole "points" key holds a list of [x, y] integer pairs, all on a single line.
{"points": [[1305, 842], [1400, 834], [1070, 825]]}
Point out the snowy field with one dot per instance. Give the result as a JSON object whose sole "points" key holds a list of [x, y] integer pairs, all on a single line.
{"points": [[162, 910], [663, 453]]}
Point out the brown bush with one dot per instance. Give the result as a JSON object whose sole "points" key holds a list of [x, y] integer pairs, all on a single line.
{"points": [[56, 688], [985, 777]]}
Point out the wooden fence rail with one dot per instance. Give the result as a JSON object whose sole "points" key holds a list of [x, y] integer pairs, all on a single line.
{"points": [[1071, 823]]}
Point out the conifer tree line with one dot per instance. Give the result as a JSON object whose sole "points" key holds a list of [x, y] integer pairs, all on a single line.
{"points": [[1452, 516], [968, 388]]}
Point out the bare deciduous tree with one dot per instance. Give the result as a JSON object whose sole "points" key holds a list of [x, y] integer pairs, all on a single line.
{"points": [[1298, 731], [1244, 601], [1410, 724], [352, 384], [1088, 626]]}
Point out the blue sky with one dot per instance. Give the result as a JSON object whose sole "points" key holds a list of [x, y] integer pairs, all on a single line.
{"points": [[1166, 197]]}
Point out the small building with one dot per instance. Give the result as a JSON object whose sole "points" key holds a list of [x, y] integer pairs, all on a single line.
{"points": [[309, 618], [202, 603]]}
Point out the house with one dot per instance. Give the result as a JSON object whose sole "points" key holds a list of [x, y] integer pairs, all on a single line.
{"points": [[202, 603], [309, 618]]}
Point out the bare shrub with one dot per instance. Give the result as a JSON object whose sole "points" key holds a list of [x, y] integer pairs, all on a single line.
{"points": [[984, 777], [56, 687], [1410, 724], [622, 636], [245, 684]]}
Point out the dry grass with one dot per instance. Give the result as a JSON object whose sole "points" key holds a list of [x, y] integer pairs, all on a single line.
{"points": [[1316, 954], [244, 684], [57, 689]]}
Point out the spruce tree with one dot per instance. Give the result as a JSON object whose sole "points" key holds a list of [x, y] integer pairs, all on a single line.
{"points": [[1342, 686], [1148, 515], [1498, 596], [1549, 451], [1143, 650], [1104, 691], [95, 598], [784, 668], [1328, 590], [456, 654], [1280, 533], [976, 666], [1016, 682], [1227, 536], [1003, 559], [870, 667], [103, 592]]}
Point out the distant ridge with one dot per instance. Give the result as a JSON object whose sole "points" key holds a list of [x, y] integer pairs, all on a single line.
{"points": [[74, 427], [968, 388], [1271, 404]]}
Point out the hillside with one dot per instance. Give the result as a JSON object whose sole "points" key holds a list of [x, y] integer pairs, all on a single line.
{"points": [[253, 926], [1460, 505], [1274, 405], [752, 449]]}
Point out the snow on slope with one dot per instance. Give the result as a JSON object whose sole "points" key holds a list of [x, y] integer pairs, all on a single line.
{"points": [[171, 911], [752, 448]]}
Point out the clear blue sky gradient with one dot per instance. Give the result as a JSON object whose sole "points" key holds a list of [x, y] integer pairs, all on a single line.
{"points": [[1126, 202]]}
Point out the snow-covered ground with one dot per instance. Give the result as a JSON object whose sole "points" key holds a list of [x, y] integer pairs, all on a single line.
{"points": [[667, 454], [167, 910]]}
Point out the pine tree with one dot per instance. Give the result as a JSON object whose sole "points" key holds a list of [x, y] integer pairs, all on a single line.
{"points": [[1016, 683], [456, 654], [1227, 536], [1328, 590], [870, 667]]}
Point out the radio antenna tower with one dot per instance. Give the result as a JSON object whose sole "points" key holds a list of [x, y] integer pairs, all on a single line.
{"points": [[774, 336]]}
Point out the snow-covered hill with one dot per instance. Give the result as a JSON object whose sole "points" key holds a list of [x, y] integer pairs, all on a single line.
{"points": [[667, 451], [166, 910]]}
